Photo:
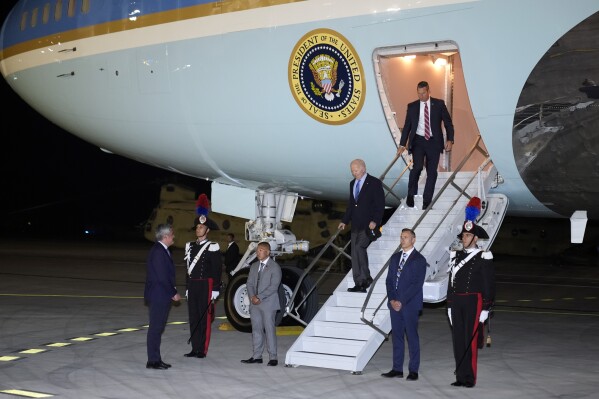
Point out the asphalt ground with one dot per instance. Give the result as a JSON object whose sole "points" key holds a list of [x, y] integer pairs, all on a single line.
{"points": [[73, 325]]}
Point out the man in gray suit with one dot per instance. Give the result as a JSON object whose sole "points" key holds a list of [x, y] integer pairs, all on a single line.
{"points": [[263, 290]]}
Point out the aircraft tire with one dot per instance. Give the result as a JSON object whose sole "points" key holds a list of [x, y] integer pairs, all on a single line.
{"points": [[309, 308], [237, 302]]}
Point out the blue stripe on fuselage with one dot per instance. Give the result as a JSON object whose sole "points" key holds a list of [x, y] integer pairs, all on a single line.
{"points": [[100, 12]]}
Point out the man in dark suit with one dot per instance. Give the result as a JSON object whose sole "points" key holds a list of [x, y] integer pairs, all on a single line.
{"points": [[159, 292], [407, 270], [263, 290], [424, 139], [231, 255], [365, 209]]}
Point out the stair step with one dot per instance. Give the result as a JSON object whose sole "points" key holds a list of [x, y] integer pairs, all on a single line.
{"points": [[321, 360], [332, 346], [352, 315], [342, 330]]}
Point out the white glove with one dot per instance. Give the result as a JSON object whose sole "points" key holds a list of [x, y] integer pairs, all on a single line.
{"points": [[185, 294], [484, 314], [449, 315], [215, 294]]}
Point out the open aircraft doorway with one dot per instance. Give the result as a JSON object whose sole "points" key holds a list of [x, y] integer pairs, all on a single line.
{"points": [[398, 71]]}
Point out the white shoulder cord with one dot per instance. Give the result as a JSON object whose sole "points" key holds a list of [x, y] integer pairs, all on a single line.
{"points": [[191, 265], [456, 268]]}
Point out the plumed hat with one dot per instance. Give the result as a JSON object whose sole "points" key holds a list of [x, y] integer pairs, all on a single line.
{"points": [[469, 225], [202, 210]]}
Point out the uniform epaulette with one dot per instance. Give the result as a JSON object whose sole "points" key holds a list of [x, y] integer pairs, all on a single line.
{"points": [[214, 247], [487, 255]]}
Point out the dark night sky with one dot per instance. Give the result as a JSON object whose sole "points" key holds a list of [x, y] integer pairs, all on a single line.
{"points": [[55, 184]]}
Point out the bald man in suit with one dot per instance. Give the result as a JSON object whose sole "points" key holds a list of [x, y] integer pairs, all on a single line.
{"points": [[263, 290]]}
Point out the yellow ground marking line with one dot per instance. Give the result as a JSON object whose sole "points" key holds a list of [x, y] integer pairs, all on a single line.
{"points": [[105, 334], [26, 394], [82, 339], [9, 358], [128, 329], [33, 351], [59, 344]]}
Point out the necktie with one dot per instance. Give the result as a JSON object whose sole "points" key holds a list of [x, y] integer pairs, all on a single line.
{"points": [[357, 190], [262, 266], [427, 126], [404, 256]]}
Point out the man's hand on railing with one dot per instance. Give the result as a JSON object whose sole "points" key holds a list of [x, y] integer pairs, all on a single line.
{"points": [[400, 149], [341, 226]]}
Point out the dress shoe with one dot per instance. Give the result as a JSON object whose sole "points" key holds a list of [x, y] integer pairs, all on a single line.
{"points": [[251, 360], [155, 366], [368, 282], [410, 201], [425, 205], [197, 354], [468, 385], [272, 362], [357, 288], [165, 364], [412, 376], [393, 373]]}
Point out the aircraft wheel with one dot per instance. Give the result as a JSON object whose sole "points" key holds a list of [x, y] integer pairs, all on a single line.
{"points": [[309, 308], [237, 302]]}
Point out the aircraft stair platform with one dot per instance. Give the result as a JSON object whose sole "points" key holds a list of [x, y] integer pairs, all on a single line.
{"points": [[350, 327]]}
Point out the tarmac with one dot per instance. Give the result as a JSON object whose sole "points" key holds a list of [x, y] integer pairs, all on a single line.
{"points": [[73, 325]]}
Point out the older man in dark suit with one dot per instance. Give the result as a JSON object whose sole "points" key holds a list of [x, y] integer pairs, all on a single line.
{"points": [[407, 270], [159, 292], [365, 209], [423, 136]]}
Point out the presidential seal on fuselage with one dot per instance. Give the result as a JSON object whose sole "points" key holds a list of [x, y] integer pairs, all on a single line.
{"points": [[326, 77]]}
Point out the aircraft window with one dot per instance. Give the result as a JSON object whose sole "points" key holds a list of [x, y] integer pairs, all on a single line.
{"points": [[34, 17], [71, 8], [46, 14], [24, 18], [58, 10], [85, 6]]}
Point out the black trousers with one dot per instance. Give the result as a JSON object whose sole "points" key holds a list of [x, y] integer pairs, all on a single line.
{"points": [[159, 311], [465, 312], [201, 313], [422, 150]]}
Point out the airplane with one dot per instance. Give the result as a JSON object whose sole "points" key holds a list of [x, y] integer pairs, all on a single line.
{"points": [[270, 100]]}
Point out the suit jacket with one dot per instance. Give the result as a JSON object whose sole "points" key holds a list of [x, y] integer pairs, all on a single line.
{"points": [[267, 287], [231, 256], [438, 113], [409, 287], [160, 275], [369, 207]]}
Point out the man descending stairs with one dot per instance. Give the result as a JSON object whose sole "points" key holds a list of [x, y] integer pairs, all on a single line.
{"points": [[351, 326]]}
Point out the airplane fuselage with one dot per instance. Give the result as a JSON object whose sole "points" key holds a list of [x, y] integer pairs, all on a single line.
{"points": [[221, 90]]}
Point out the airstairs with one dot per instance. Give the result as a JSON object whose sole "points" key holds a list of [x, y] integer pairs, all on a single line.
{"points": [[350, 327]]}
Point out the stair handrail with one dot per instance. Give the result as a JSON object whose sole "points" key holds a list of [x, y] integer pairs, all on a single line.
{"points": [[291, 309], [462, 192]]}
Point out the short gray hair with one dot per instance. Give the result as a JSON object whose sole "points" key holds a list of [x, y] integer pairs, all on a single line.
{"points": [[162, 230]]}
